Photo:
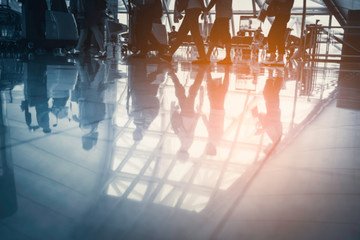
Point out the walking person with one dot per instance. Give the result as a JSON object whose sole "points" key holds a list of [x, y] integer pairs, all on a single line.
{"points": [[281, 10], [220, 32], [190, 23], [148, 12], [89, 18]]}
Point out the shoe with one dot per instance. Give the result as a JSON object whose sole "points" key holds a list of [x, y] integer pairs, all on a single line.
{"points": [[166, 57], [101, 54], [225, 61], [201, 61]]}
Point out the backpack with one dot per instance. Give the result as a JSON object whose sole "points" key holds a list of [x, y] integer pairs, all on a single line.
{"points": [[180, 5]]}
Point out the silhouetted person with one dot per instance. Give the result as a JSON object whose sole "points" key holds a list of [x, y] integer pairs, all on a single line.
{"points": [[90, 15], [220, 31], [172, 35], [90, 38], [281, 10], [190, 23], [146, 14], [217, 90], [185, 119]]}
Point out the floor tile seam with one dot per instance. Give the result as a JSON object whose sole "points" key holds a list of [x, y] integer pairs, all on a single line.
{"points": [[22, 142], [305, 194], [49, 179], [255, 170], [291, 140], [63, 159], [320, 126], [54, 210], [332, 171], [298, 221], [306, 149]]}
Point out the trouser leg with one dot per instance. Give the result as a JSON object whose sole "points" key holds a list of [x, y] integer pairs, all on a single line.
{"points": [[98, 36], [195, 32], [181, 34]]}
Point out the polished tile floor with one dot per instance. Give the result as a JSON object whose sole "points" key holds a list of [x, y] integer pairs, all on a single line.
{"points": [[139, 148]]}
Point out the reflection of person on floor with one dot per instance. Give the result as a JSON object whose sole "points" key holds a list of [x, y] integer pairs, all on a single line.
{"points": [[143, 89], [89, 94], [217, 89], [184, 122], [271, 121], [36, 95]]}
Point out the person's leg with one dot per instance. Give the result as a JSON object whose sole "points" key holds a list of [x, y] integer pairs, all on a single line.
{"points": [[98, 37], [182, 33], [209, 52], [145, 27], [226, 38], [213, 38], [82, 38], [272, 41], [87, 41], [195, 32], [282, 21], [228, 51]]}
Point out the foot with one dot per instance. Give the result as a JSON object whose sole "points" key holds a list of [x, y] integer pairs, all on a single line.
{"points": [[226, 61]]}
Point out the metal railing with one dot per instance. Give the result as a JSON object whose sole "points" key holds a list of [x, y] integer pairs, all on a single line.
{"points": [[326, 43]]}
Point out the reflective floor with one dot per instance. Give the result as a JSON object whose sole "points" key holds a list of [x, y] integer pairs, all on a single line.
{"points": [[139, 148]]}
